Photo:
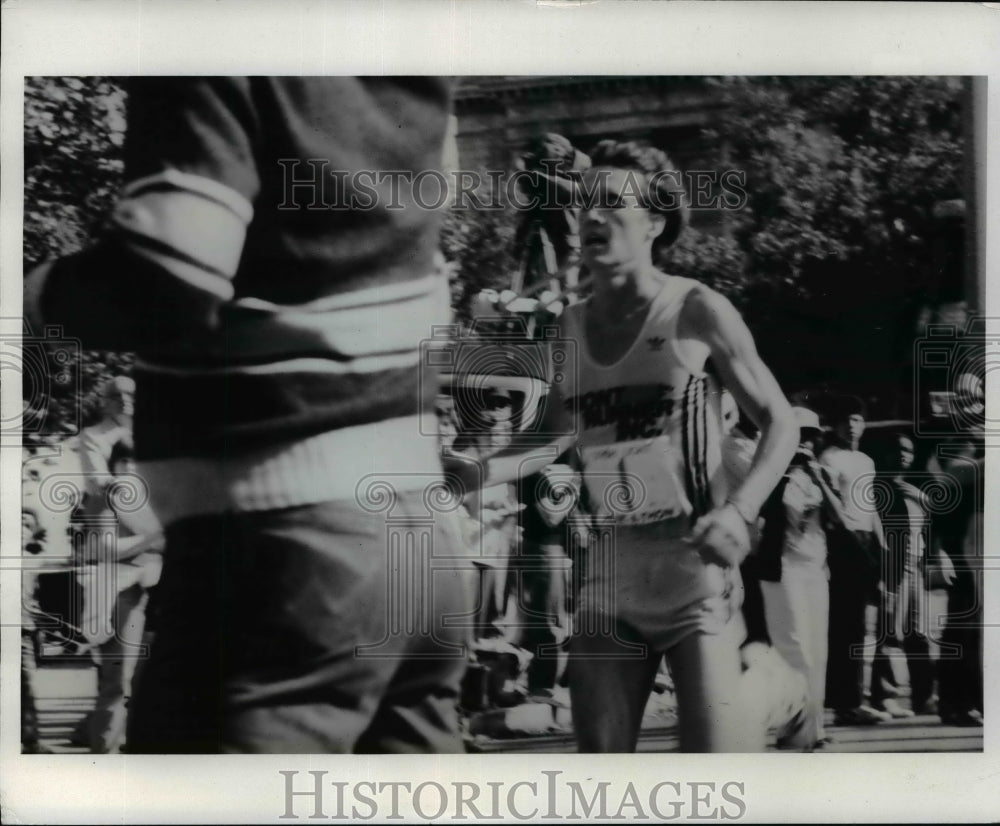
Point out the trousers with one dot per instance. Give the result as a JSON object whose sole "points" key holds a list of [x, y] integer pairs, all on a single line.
{"points": [[798, 615], [118, 657], [541, 580], [313, 629], [853, 599]]}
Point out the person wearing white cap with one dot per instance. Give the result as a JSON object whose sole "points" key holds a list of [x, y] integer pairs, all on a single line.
{"points": [[791, 562]]}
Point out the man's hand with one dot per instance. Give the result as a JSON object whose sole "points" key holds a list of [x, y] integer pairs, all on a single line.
{"points": [[721, 537]]}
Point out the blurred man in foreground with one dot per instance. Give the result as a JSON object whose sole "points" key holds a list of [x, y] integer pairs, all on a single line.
{"points": [[276, 286]]}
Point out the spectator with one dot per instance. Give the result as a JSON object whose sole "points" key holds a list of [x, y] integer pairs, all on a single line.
{"points": [[902, 622], [960, 674], [739, 446], [541, 590], [791, 563], [32, 537], [493, 508], [117, 398], [855, 558], [548, 235], [116, 587]]}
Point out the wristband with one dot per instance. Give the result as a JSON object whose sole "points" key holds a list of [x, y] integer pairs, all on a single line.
{"points": [[742, 511]]}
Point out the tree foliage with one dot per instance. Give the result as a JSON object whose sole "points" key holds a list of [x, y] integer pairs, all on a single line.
{"points": [[480, 246], [74, 130], [715, 260], [841, 176]]}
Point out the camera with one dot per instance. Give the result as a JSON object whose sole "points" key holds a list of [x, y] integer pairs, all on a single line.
{"points": [[498, 373], [49, 369], [950, 367]]}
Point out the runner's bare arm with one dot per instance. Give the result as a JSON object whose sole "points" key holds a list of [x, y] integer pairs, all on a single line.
{"points": [[528, 454], [712, 318], [709, 317]]}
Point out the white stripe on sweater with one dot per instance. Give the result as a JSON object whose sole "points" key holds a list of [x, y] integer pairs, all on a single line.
{"points": [[360, 336], [401, 454]]}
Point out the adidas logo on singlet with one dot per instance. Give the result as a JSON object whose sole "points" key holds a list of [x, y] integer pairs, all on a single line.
{"points": [[656, 343]]}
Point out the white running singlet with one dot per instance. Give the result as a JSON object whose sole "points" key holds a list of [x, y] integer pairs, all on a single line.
{"points": [[651, 422], [650, 433]]}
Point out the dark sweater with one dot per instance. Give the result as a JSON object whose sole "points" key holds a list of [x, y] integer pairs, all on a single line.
{"points": [[265, 312]]}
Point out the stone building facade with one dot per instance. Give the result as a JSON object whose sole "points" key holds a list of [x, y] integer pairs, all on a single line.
{"points": [[499, 115]]}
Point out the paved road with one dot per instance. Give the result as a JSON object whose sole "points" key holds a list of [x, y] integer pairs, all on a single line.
{"points": [[917, 734], [66, 695]]}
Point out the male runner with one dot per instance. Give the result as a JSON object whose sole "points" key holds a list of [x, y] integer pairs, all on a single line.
{"points": [[648, 442]]}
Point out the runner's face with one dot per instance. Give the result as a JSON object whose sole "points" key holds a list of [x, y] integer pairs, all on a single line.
{"points": [[616, 230]]}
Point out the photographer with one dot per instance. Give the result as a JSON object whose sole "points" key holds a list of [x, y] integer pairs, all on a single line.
{"points": [[548, 235], [791, 563]]}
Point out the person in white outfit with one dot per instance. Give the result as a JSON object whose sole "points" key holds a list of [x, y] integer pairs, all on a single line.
{"points": [[791, 564]]}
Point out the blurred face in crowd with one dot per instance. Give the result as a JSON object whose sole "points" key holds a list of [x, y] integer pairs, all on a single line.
{"points": [[499, 416], [851, 429], [730, 412], [904, 453], [123, 466], [808, 440], [447, 430], [119, 402], [616, 230], [29, 526], [955, 314]]}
